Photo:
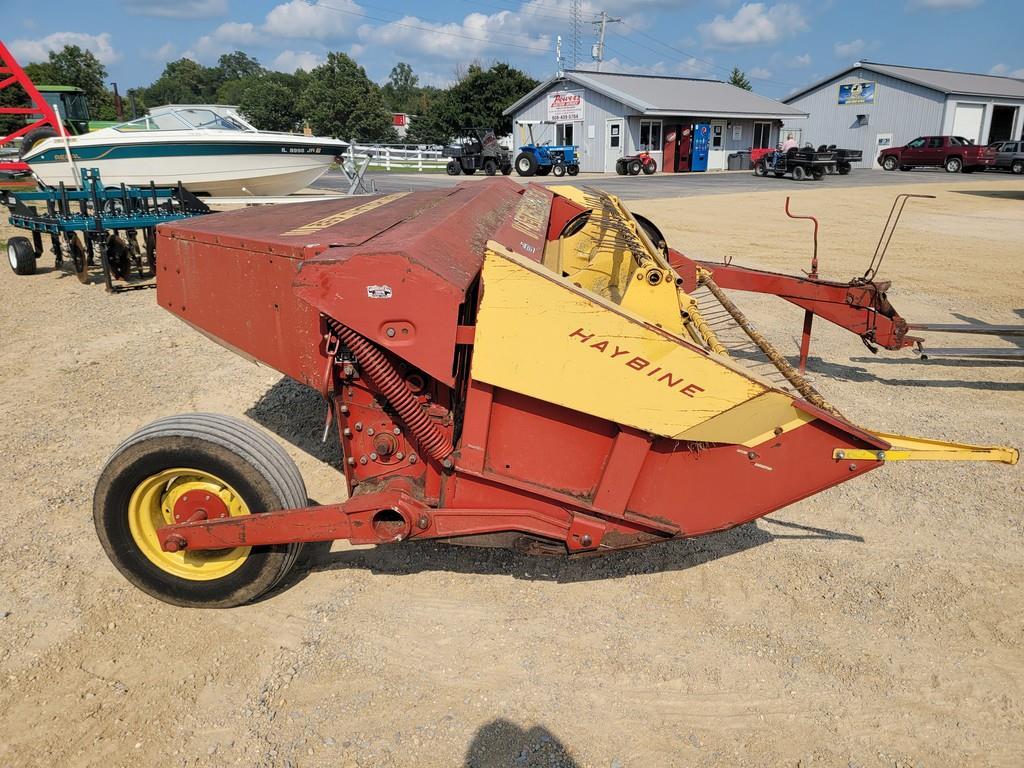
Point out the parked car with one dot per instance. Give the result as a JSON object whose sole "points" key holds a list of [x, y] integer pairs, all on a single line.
{"points": [[1009, 156], [954, 153]]}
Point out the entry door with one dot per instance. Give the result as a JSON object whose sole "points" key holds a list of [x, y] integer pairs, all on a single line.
{"points": [[613, 142], [716, 150]]}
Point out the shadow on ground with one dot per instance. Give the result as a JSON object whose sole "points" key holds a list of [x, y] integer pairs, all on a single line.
{"points": [[503, 744], [413, 557], [1002, 194], [296, 413]]}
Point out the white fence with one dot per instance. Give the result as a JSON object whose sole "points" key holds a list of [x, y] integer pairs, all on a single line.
{"points": [[409, 157]]}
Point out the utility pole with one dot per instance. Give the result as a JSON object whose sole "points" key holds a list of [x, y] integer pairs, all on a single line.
{"points": [[597, 52]]}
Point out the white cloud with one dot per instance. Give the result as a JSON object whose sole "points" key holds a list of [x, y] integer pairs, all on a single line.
{"points": [[803, 60], [754, 24], [164, 53], [1004, 71], [474, 36], [178, 9], [311, 21], [850, 49], [289, 61], [760, 73], [943, 4], [37, 50], [227, 37]]}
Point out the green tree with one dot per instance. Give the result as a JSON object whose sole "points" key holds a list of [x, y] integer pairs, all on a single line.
{"points": [[739, 79], [339, 100], [238, 65], [401, 91], [478, 100], [182, 82], [270, 103]]}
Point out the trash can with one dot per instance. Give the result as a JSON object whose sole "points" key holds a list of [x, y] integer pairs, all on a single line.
{"points": [[740, 161]]}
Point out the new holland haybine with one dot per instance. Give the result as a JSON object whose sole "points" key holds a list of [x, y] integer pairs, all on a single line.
{"points": [[505, 366]]}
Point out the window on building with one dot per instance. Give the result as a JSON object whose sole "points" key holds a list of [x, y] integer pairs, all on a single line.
{"points": [[716, 136], [650, 135], [564, 134], [762, 135], [613, 135]]}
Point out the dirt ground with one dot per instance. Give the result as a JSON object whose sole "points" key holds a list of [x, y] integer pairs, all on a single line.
{"points": [[878, 624]]}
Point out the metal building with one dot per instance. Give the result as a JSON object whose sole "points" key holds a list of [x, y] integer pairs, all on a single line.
{"points": [[609, 115], [869, 106]]}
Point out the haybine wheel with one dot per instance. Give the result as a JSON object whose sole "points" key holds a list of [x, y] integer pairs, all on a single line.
{"points": [[196, 466]]}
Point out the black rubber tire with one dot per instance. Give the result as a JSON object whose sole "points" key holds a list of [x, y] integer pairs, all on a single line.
{"points": [[890, 163], [799, 174], [760, 168], [817, 174], [843, 168], [544, 170], [490, 166], [1017, 166], [506, 169], [651, 166], [33, 137], [468, 171], [953, 165], [779, 174], [633, 167], [572, 170], [526, 164], [21, 255], [119, 257], [620, 167], [558, 170], [244, 457], [453, 168]]}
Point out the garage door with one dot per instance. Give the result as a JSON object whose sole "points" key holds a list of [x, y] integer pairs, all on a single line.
{"points": [[967, 121]]}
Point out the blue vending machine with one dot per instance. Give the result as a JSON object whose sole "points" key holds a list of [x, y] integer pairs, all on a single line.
{"points": [[701, 141]]}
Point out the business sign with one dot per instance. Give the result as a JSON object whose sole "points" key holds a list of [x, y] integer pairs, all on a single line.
{"points": [[857, 93], [565, 106]]}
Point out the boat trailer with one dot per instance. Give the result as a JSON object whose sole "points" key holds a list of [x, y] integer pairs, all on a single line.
{"points": [[110, 221], [860, 305], [505, 366]]}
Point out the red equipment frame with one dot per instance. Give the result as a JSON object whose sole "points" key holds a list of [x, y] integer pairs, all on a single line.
{"points": [[376, 308], [39, 108]]}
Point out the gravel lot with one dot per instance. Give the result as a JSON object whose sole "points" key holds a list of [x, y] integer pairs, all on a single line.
{"points": [[877, 624]]}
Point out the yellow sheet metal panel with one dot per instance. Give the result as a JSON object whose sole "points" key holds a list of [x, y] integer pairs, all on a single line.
{"points": [[752, 422], [541, 336]]}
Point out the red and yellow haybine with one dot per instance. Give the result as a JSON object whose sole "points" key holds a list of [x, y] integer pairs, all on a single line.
{"points": [[506, 366]]}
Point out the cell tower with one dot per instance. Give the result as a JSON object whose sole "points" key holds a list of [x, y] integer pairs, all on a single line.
{"points": [[577, 33]]}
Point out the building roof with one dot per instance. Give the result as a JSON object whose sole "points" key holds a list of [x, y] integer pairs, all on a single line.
{"points": [[941, 80], [657, 95]]}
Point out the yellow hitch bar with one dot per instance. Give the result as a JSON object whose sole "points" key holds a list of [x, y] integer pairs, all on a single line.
{"points": [[923, 449]]}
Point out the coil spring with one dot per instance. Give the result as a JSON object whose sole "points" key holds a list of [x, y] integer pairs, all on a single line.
{"points": [[382, 374]]}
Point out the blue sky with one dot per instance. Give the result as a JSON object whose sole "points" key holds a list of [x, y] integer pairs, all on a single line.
{"points": [[780, 45]]}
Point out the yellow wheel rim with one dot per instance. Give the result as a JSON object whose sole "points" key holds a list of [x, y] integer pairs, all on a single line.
{"points": [[152, 506]]}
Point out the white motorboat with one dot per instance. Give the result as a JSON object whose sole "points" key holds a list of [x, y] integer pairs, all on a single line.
{"points": [[211, 149]]}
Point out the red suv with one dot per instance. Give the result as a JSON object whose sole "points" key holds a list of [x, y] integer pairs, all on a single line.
{"points": [[954, 153]]}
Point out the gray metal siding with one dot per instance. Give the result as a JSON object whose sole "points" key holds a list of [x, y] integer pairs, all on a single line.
{"points": [[903, 109], [596, 110]]}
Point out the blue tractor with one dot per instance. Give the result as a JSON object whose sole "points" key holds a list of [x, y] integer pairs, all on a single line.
{"points": [[542, 159]]}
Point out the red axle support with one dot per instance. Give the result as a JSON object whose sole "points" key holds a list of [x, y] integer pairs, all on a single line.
{"points": [[860, 307]]}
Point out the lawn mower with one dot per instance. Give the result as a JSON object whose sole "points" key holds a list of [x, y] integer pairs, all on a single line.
{"points": [[505, 366], [633, 164], [542, 159]]}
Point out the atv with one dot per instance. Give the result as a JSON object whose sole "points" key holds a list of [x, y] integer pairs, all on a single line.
{"points": [[633, 164]]}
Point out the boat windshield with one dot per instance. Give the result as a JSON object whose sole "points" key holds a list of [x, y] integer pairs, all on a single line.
{"points": [[186, 119]]}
